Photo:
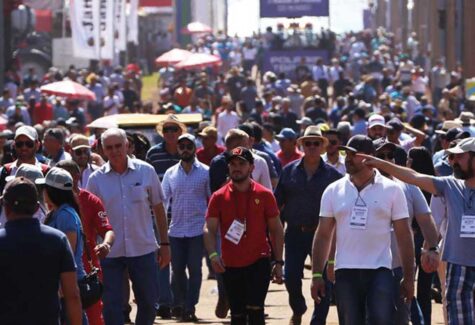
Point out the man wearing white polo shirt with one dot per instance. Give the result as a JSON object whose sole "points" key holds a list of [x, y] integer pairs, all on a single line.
{"points": [[362, 207]]}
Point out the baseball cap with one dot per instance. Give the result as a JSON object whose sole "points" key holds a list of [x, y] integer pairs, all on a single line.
{"points": [[209, 131], [286, 134], [456, 133], [383, 143], [79, 141], [305, 121], [187, 136], [27, 131], [375, 120], [359, 143], [466, 145], [241, 153], [57, 178], [395, 124], [30, 172], [21, 193]]}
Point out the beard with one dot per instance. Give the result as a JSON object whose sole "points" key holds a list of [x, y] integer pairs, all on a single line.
{"points": [[187, 157], [351, 168], [239, 178], [462, 174]]}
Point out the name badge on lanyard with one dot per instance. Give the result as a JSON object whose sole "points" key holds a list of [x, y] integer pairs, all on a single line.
{"points": [[359, 214], [467, 226], [235, 232]]}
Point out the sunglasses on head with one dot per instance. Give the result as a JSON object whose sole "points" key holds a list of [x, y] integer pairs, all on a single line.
{"points": [[21, 144], [311, 143], [170, 129], [81, 151], [385, 155], [188, 146]]}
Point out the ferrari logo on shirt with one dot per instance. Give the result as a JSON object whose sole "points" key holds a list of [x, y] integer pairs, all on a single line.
{"points": [[257, 201]]}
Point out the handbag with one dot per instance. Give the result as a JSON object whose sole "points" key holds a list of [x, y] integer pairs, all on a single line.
{"points": [[90, 287]]}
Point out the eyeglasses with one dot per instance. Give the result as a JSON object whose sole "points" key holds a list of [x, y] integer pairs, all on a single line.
{"points": [[21, 144], [81, 151], [385, 155], [333, 142], [188, 146], [113, 146], [170, 129], [312, 143]]}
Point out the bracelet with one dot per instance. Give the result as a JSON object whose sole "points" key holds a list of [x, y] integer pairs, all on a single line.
{"points": [[331, 262], [165, 244], [214, 254], [317, 275], [280, 262]]}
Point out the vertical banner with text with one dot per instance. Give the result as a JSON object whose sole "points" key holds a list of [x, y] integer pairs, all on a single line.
{"points": [[133, 22], [85, 28], [120, 32]]}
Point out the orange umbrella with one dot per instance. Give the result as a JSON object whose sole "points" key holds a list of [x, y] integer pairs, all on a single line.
{"points": [[68, 89], [198, 60], [172, 57], [196, 28]]}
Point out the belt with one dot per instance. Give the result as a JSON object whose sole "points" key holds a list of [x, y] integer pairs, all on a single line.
{"points": [[304, 228]]}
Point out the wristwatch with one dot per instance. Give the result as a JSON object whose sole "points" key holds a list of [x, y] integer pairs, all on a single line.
{"points": [[434, 249], [281, 263]]}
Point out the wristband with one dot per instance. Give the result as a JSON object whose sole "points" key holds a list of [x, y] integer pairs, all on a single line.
{"points": [[317, 275], [281, 263], [164, 244], [214, 254], [331, 262]]}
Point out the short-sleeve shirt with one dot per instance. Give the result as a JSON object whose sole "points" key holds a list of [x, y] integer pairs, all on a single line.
{"points": [[368, 248], [255, 206], [32, 258], [459, 200], [127, 198], [161, 159]]}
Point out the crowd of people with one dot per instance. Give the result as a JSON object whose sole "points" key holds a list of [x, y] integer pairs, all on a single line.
{"points": [[364, 163]]}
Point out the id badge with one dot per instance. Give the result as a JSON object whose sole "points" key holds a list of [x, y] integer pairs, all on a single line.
{"points": [[467, 228], [359, 216], [235, 232]]}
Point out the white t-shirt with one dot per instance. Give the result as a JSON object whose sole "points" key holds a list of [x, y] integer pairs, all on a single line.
{"points": [[249, 53], [226, 121], [111, 105], [368, 248], [261, 172]]}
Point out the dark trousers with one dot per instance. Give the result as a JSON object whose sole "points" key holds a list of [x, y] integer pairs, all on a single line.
{"points": [[298, 245], [364, 295], [323, 85], [246, 288], [424, 282]]}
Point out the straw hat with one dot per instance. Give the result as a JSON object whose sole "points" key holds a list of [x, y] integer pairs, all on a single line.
{"points": [[171, 119], [313, 132]]}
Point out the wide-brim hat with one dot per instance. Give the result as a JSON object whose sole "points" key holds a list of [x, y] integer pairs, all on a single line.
{"points": [[171, 119], [466, 118], [313, 132]]}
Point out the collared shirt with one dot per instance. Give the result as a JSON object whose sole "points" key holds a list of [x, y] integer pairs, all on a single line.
{"points": [[298, 196], [368, 248], [297, 154], [127, 198], [86, 173], [339, 165], [161, 159], [205, 157], [62, 155], [189, 193]]}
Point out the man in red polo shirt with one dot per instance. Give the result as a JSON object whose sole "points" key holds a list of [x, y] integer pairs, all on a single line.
{"points": [[43, 111], [209, 137], [288, 146], [95, 223], [243, 211]]}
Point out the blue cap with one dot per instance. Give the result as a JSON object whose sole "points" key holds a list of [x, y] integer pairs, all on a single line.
{"points": [[287, 134]]}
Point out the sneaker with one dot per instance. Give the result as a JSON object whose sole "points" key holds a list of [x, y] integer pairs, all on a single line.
{"points": [[222, 307], [189, 317], [295, 320], [164, 312], [177, 312]]}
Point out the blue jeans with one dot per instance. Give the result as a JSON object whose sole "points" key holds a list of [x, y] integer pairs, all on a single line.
{"points": [[186, 254], [143, 274], [404, 311], [364, 295], [298, 245]]}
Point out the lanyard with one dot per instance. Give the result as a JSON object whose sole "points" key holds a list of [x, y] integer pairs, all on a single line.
{"points": [[248, 208], [361, 188], [468, 203]]}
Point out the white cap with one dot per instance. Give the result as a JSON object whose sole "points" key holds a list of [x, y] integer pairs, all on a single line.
{"points": [[28, 171], [466, 145], [375, 120], [57, 178], [28, 131]]}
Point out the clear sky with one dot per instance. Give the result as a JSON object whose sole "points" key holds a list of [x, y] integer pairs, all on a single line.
{"points": [[345, 15]]}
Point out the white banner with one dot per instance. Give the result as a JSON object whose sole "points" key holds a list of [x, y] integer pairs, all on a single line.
{"points": [[84, 26], [106, 33], [133, 22], [120, 32]]}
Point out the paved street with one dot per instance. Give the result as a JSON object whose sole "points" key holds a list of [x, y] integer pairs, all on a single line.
{"points": [[276, 305]]}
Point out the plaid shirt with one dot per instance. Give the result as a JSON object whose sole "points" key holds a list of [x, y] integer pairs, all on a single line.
{"points": [[189, 194]]}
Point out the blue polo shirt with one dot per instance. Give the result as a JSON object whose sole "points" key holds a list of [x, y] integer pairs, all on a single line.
{"points": [[299, 198]]}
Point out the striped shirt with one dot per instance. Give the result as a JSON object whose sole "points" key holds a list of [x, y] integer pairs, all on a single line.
{"points": [[189, 193], [160, 159]]}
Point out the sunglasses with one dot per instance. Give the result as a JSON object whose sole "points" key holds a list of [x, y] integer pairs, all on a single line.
{"points": [[188, 146], [21, 144], [81, 151], [384, 156], [312, 143], [113, 146], [333, 142], [170, 129]]}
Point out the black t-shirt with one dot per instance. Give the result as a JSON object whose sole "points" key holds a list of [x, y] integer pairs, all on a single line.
{"points": [[32, 258]]}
